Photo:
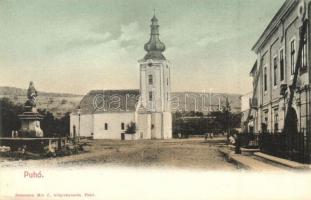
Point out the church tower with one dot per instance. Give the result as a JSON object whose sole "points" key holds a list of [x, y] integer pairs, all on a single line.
{"points": [[154, 114]]}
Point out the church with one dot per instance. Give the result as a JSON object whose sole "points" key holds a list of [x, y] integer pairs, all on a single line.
{"points": [[131, 114]]}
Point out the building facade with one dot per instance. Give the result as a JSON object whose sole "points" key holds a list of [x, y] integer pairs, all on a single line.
{"points": [[273, 73], [107, 114]]}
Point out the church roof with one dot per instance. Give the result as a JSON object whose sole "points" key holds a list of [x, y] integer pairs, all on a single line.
{"points": [[154, 46], [107, 101]]}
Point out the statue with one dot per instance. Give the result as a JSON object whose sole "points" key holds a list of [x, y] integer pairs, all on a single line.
{"points": [[30, 118], [31, 95]]}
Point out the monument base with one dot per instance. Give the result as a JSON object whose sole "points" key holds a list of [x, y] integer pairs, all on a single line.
{"points": [[30, 124]]}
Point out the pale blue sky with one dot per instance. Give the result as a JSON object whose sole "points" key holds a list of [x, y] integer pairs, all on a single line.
{"points": [[78, 45]]}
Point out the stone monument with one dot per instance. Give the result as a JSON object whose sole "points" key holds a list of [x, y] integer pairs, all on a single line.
{"points": [[30, 119]]}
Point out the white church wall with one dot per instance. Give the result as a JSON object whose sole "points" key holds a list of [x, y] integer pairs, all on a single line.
{"points": [[86, 124], [113, 121], [156, 130], [143, 126], [167, 125]]}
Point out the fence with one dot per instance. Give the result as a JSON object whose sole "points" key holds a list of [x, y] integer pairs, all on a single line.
{"points": [[289, 146], [293, 147], [249, 140]]}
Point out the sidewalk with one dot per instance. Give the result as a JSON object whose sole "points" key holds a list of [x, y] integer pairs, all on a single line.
{"points": [[284, 162], [248, 162]]}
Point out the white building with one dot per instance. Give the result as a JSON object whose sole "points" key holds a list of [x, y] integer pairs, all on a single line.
{"points": [[273, 73], [108, 114]]}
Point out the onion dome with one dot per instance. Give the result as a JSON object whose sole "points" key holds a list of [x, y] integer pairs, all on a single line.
{"points": [[154, 47]]}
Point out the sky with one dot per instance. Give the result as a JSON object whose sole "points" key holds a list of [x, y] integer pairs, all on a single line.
{"points": [[74, 46]]}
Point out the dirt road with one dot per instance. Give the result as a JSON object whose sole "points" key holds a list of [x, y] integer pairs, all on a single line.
{"points": [[187, 153]]}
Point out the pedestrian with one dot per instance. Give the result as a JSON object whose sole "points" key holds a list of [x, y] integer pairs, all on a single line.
{"points": [[231, 140], [237, 144]]}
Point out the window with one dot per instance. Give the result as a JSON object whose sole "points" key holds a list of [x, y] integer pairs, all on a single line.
{"points": [[282, 65], [106, 126], [122, 126], [150, 96], [74, 130], [166, 81], [266, 117], [304, 52], [275, 70], [292, 56], [150, 78], [265, 79]]}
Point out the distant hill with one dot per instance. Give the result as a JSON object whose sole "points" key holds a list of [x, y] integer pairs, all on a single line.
{"points": [[57, 103], [11, 91], [60, 103]]}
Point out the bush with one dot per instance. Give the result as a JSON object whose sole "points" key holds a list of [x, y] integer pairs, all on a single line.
{"points": [[131, 128]]}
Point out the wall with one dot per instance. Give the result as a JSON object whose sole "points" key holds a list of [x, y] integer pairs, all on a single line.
{"points": [[271, 101], [160, 71], [86, 124], [114, 121], [143, 126], [167, 125]]}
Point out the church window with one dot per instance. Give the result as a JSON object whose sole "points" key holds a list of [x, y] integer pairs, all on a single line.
{"points": [[150, 96], [150, 78], [122, 126], [106, 126]]}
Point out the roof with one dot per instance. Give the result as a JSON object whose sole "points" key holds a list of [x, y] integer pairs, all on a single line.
{"points": [[254, 69], [276, 20], [154, 46], [106, 101], [154, 55]]}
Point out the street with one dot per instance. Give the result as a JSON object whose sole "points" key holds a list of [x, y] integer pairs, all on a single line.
{"points": [[186, 153]]}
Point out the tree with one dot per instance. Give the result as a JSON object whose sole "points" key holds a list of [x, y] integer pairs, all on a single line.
{"points": [[131, 128], [9, 117], [52, 126]]}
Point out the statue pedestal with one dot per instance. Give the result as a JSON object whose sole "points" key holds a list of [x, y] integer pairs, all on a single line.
{"points": [[31, 123]]}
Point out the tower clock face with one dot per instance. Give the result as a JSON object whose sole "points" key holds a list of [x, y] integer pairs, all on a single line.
{"points": [[149, 64]]}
